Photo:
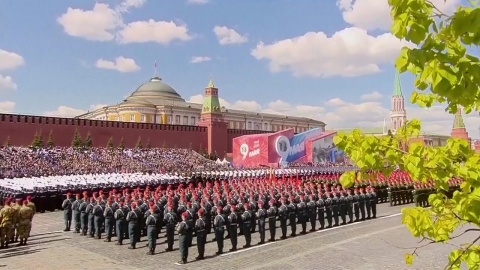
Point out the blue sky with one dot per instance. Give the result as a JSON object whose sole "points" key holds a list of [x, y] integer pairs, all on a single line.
{"points": [[328, 60]]}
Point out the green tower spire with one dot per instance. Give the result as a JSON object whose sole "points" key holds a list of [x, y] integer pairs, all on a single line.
{"points": [[458, 122], [211, 103], [397, 88]]}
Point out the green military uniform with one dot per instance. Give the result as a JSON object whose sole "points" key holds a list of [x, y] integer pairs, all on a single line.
{"points": [[182, 229], [25, 217]]}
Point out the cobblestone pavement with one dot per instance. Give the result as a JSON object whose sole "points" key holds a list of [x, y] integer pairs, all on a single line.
{"points": [[373, 244]]}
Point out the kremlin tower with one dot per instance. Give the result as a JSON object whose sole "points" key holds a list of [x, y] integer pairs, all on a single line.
{"points": [[398, 114], [458, 130]]}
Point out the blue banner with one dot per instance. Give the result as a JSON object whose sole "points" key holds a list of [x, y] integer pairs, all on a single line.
{"points": [[298, 144]]}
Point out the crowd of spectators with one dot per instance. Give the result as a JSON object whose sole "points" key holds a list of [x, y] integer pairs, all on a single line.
{"points": [[27, 162]]}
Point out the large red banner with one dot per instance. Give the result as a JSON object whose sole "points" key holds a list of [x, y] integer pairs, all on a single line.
{"points": [[250, 150]]}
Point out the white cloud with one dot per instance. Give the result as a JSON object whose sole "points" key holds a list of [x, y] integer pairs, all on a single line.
{"points": [[227, 35], [372, 96], [10, 60], [6, 83], [200, 59], [349, 52], [7, 106], [121, 64], [359, 12], [98, 24], [162, 32], [65, 111], [337, 113], [198, 2], [127, 4]]}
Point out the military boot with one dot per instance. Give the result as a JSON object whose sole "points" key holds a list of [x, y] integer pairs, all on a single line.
{"points": [[21, 243]]}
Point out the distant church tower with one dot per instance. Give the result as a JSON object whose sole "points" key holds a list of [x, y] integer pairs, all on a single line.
{"points": [[212, 118], [458, 130], [398, 114]]}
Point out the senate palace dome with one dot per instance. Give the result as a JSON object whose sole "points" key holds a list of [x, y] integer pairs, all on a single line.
{"points": [[159, 103]]}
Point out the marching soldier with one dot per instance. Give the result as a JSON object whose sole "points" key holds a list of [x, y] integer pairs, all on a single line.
{"points": [[361, 204], [14, 235], [335, 210], [292, 209], [373, 202], [108, 215], [182, 229], [201, 234], [98, 218], [170, 221], [356, 208], [91, 220], [261, 222], [190, 223], [312, 212], [349, 203], [321, 211], [328, 208], [246, 217], [219, 224], [272, 220], [283, 214], [67, 212], [7, 216], [151, 223], [232, 227], [342, 203], [132, 219], [32, 206], [302, 214], [368, 203], [82, 208], [25, 220], [76, 213], [121, 222]]}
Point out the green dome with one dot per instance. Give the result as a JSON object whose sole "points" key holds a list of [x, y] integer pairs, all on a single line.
{"points": [[155, 89]]}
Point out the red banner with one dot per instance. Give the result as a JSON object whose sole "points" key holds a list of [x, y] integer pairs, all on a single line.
{"points": [[250, 150]]}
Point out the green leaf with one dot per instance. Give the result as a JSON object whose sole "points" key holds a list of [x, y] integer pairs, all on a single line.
{"points": [[408, 259], [347, 179]]}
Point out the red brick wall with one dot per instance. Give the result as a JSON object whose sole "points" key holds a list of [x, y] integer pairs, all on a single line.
{"points": [[22, 129]]}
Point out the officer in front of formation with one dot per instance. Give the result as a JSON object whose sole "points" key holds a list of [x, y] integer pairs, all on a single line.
{"points": [[67, 212]]}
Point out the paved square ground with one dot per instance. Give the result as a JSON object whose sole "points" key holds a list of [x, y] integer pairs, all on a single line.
{"points": [[373, 244]]}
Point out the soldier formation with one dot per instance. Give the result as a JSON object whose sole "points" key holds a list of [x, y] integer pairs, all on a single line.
{"points": [[16, 221], [224, 208]]}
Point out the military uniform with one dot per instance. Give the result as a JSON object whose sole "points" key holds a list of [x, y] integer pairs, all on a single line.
{"points": [[321, 211], [151, 223], [108, 216], [272, 220], [312, 213], [25, 220], [133, 224], [76, 214], [182, 229], [283, 215], [292, 209], [200, 227], [7, 216], [219, 224], [246, 218], [83, 216], [121, 224], [67, 213], [170, 221]]}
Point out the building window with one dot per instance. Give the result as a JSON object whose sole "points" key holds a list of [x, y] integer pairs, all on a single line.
{"points": [[169, 120], [177, 119], [185, 120], [232, 124], [124, 118], [152, 119], [249, 125], [142, 118], [116, 118], [237, 125], [192, 120], [265, 126]]}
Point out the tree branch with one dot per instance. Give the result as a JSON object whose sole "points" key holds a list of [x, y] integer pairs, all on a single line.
{"points": [[450, 265]]}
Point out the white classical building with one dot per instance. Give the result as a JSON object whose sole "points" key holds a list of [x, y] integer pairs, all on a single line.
{"points": [[157, 102]]}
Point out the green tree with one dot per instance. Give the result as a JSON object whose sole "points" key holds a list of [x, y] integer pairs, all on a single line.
{"points": [[77, 139], [148, 143], [35, 140], [110, 143], [40, 142], [88, 140], [121, 146], [164, 145], [50, 142], [445, 73], [7, 142], [139, 143]]}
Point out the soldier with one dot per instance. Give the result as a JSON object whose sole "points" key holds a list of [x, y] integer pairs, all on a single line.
{"points": [[335, 210], [368, 203], [283, 215], [151, 223], [342, 207], [240, 209], [7, 216], [200, 226], [190, 223], [82, 208], [246, 226], [373, 202], [272, 220], [302, 214], [219, 224], [121, 225], [132, 219], [349, 204], [91, 220], [14, 232], [312, 212], [232, 227], [356, 208], [67, 212], [76, 213], [361, 204], [32, 206], [261, 215], [98, 218], [25, 219], [182, 229], [328, 208], [292, 209], [170, 221], [321, 210], [108, 215], [253, 211]]}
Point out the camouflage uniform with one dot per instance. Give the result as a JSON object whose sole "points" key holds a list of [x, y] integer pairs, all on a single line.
{"points": [[14, 232], [7, 216], [32, 206], [25, 217]]}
